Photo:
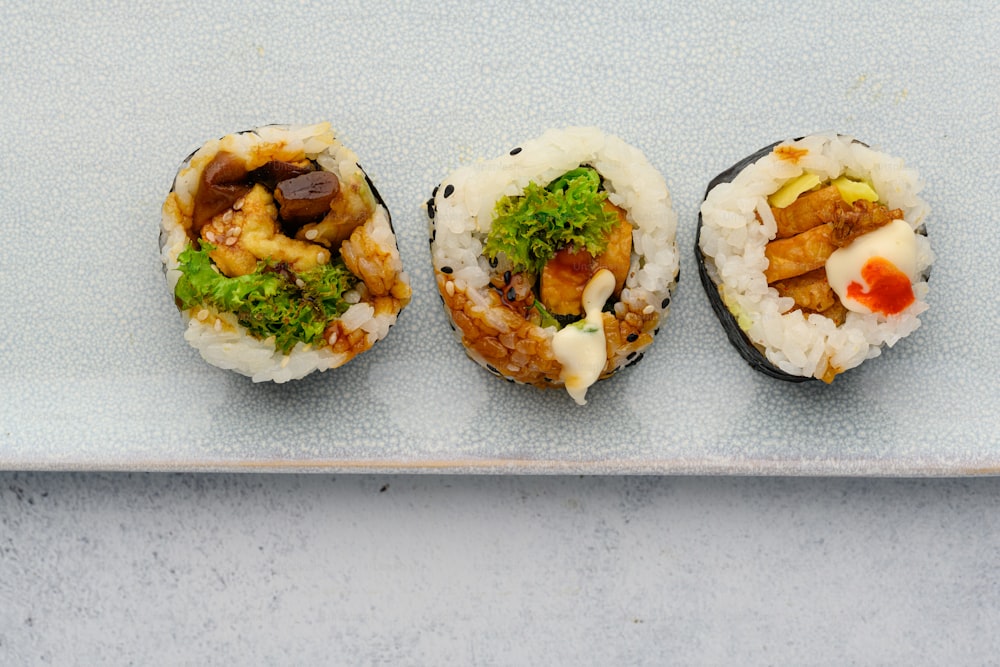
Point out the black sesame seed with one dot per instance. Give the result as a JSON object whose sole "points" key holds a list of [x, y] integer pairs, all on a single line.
{"points": [[493, 262], [632, 337], [636, 360], [448, 190], [656, 331], [491, 369], [511, 294], [433, 234], [515, 151], [435, 192], [509, 379], [431, 209], [631, 355], [665, 302], [506, 277], [446, 269]]}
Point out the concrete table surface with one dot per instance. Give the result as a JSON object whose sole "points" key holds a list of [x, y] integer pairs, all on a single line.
{"points": [[431, 570]]}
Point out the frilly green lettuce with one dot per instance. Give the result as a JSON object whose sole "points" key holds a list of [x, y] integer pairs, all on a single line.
{"points": [[530, 228], [271, 301]]}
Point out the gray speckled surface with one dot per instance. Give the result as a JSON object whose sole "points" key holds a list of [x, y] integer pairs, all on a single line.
{"points": [[101, 103], [187, 569]]}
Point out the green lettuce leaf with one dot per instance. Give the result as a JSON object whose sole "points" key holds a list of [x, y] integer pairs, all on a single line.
{"points": [[546, 318], [530, 228], [271, 301]]}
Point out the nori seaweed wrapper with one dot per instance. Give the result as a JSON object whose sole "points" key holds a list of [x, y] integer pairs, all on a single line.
{"points": [[753, 356], [736, 336]]}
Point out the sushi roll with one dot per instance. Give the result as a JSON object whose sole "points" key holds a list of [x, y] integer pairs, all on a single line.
{"points": [[814, 255], [280, 253], [556, 262]]}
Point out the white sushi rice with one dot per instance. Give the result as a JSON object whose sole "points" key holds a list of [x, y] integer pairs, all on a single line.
{"points": [[465, 202], [732, 241], [220, 339]]}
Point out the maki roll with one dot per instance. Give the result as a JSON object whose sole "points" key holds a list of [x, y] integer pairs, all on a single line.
{"points": [[814, 255], [280, 253], [556, 262]]}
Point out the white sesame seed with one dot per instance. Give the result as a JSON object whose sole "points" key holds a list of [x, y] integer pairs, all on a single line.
{"points": [[312, 234], [231, 241], [238, 204], [202, 315], [300, 283], [321, 257], [227, 216], [333, 338], [449, 287], [210, 236], [648, 310]]}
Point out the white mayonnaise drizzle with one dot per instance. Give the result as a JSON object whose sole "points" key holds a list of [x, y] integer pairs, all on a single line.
{"points": [[895, 242], [580, 347]]}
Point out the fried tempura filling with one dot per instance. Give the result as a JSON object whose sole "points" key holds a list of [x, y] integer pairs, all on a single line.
{"points": [[348, 209], [565, 276], [251, 215], [249, 233], [811, 291], [809, 231], [808, 211]]}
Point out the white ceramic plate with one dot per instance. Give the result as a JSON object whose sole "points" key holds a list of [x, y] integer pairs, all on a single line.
{"points": [[99, 108]]}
